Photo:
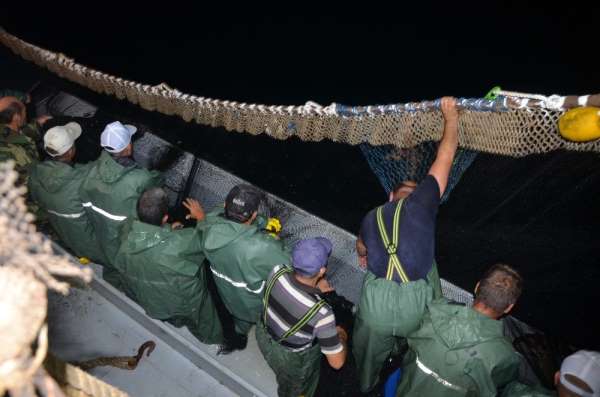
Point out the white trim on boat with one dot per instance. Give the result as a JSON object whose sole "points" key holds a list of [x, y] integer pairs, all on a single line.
{"points": [[438, 378], [104, 213], [238, 284], [71, 216]]}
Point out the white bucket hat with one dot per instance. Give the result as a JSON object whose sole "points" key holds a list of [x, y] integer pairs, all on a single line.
{"points": [[61, 138], [116, 136]]}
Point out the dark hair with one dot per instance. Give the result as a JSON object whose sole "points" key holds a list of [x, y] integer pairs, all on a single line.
{"points": [[499, 288], [574, 380], [7, 114], [406, 183], [51, 151], [152, 206]]}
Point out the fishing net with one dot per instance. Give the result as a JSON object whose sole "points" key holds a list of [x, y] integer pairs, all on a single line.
{"points": [[506, 124], [393, 165]]}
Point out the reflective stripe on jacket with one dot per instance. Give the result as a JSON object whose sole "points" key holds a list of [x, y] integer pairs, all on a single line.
{"points": [[457, 352], [164, 271], [55, 187], [109, 196], [241, 258]]}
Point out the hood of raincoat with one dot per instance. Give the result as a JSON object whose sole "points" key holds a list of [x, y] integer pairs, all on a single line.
{"points": [[52, 176], [461, 327], [55, 186], [241, 258], [163, 270], [109, 170], [139, 238], [223, 232]]}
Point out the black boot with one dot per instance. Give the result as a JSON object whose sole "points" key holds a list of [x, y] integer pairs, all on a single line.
{"points": [[239, 342]]}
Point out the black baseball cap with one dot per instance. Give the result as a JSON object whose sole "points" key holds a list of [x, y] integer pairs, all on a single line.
{"points": [[241, 202]]}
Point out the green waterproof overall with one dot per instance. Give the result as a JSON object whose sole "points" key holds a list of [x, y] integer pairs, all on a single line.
{"points": [[518, 389], [54, 186], [388, 311], [164, 271], [109, 195], [297, 373], [241, 258], [457, 352]]}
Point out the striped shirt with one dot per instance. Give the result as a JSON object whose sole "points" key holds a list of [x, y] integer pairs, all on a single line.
{"points": [[289, 301]]}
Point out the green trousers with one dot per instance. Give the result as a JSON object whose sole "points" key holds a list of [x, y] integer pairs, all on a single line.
{"points": [[297, 372], [387, 312], [242, 327]]}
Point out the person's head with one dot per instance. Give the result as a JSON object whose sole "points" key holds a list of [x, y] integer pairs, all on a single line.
{"points": [[241, 204], [153, 206], [402, 190], [497, 292], [59, 141], [116, 139], [579, 375], [12, 112], [310, 256]]}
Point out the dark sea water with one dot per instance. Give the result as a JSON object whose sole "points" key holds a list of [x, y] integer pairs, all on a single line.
{"points": [[540, 213]]}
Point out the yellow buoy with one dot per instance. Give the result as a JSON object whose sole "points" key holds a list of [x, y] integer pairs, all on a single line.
{"points": [[84, 261], [580, 124]]}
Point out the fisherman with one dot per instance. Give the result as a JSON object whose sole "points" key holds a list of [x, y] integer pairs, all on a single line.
{"points": [[163, 268], [54, 185], [241, 256], [579, 376], [402, 275], [112, 188], [297, 324], [460, 350], [18, 138]]}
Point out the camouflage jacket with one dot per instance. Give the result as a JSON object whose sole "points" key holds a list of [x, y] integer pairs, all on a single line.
{"points": [[20, 95], [20, 147]]}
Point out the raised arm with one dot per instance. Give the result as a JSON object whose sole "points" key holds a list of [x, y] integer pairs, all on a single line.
{"points": [[440, 169]]}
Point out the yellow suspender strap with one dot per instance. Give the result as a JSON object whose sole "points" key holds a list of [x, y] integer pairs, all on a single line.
{"points": [[392, 246]]}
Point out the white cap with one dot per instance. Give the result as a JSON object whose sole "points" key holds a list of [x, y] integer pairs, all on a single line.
{"points": [[585, 365], [61, 138], [116, 136]]}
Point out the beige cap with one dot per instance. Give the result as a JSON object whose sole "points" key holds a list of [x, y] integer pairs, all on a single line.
{"points": [[60, 139]]}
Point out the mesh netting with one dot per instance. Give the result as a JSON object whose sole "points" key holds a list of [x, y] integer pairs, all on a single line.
{"points": [[211, 184], [508, 125], [393, 165]]}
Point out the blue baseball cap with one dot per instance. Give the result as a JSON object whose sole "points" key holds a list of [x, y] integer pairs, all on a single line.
{"points": [[310, 255]]}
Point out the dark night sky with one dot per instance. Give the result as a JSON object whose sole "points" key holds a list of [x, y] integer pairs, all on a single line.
{"points": [[375, 55], [411, 52]]}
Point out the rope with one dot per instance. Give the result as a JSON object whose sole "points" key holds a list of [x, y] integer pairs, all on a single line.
{"points": [[28, 266], [76, 382], [122, 362], [514, 124]]}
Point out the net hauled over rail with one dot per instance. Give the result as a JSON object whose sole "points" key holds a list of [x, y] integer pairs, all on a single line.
{"points": [[509, 125]]}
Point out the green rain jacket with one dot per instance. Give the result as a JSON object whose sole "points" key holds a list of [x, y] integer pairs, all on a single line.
{"points": [[164, 271], [55, 187], [388, 311], [518, 389], [241, 258], [457, 352], [109, 195]]}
